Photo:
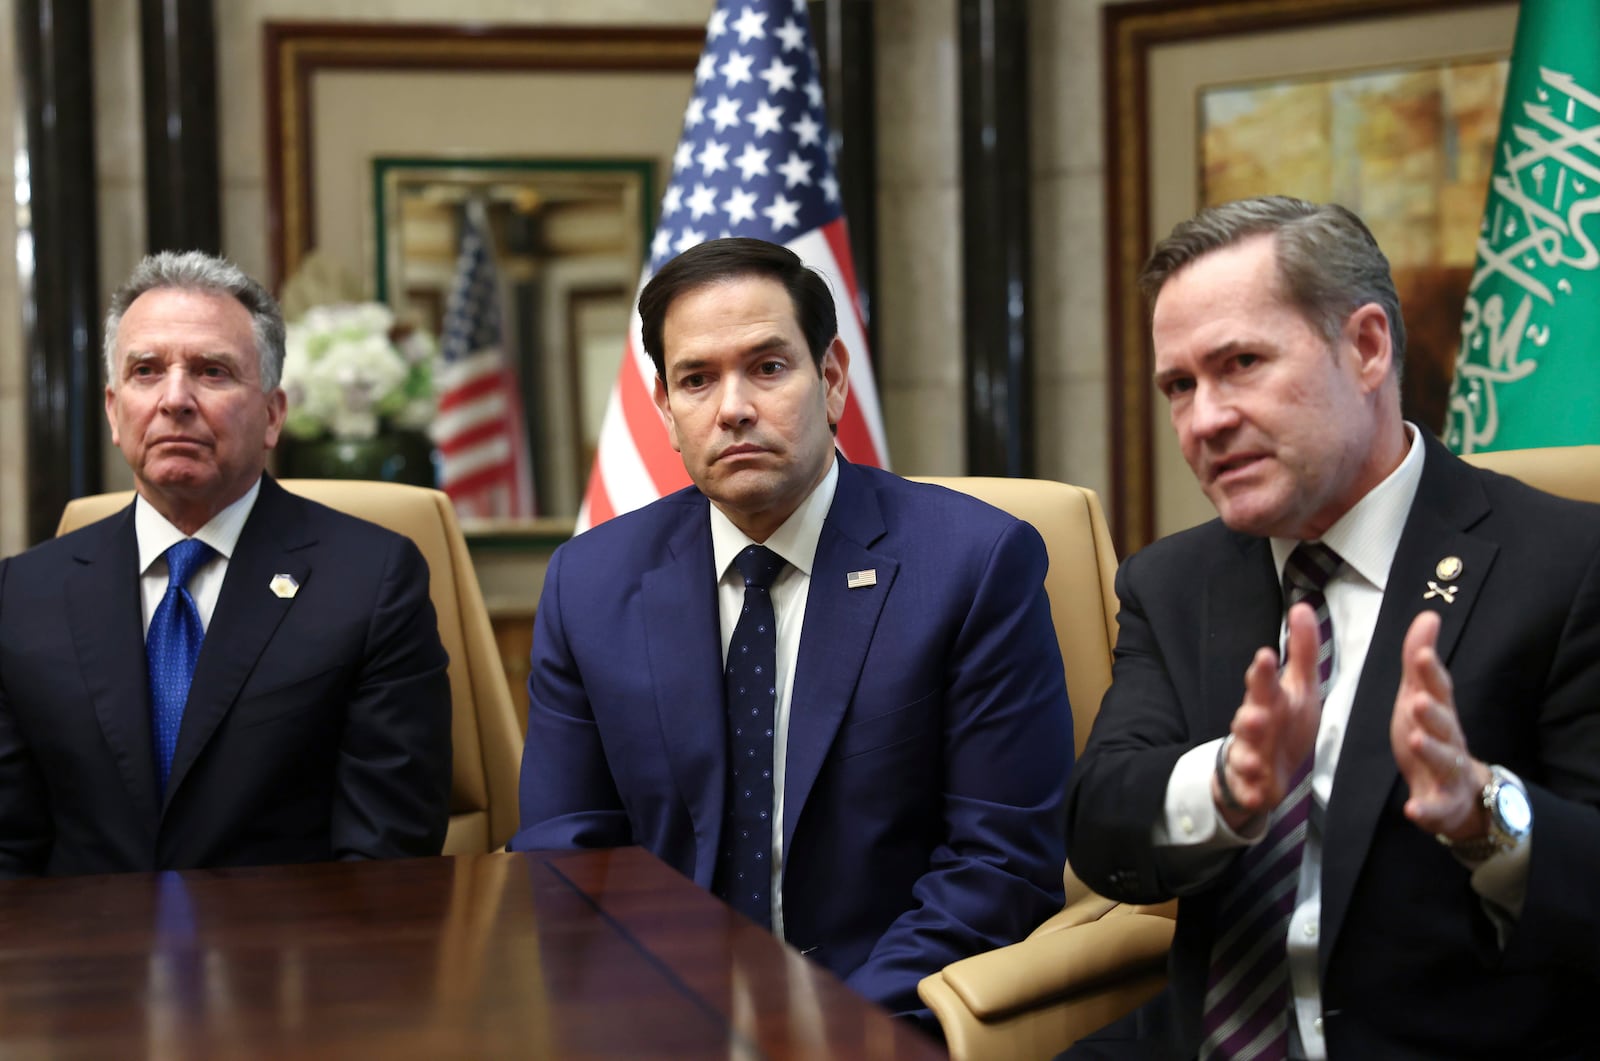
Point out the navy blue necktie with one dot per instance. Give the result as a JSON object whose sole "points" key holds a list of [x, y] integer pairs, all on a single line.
{"points": [[744, 861], [171, 647]]}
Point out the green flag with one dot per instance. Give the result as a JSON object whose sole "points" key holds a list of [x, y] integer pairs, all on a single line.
{"points": [[1528, 373]]}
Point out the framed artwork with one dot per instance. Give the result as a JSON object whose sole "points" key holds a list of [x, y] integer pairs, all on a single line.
{"points": [[1390, 107], [586, 117], [559, 228], [342, 91]]}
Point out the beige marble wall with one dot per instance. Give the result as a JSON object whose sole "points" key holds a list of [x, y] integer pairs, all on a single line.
{"points": [[919, 228], [1068, 205], [13, 456], [919, 233], [918, 302], [119, 164]]}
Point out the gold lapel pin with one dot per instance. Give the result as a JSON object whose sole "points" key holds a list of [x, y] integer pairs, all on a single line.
{"points": [[861, 579], [283, 586], [1444, 593], [1448, 569]]}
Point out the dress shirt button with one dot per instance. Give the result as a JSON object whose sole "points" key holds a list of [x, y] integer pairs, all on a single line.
{"points": [[1311, 930], [1316, 1025], [1186, 823]]}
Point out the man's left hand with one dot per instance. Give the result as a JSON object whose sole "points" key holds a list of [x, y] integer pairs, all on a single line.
{"points": [[1429, 747]]}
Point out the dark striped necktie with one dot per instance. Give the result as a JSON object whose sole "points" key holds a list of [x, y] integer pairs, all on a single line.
{"points": [[1246, 1014]]}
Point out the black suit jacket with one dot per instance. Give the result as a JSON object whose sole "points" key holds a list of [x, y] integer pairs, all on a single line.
{"points": [[317, 726], [1409, 961]]}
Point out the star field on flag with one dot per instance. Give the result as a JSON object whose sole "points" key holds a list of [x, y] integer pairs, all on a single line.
{"points": [[754, 159]]}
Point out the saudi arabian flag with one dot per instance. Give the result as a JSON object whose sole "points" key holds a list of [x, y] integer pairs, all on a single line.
{"points": [[1528, 373]]}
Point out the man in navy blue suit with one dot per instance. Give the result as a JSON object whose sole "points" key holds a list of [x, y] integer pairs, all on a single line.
{"points": [[919, 737]]}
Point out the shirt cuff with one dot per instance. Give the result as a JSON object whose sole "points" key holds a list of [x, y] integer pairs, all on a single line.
{"points": [[1190, 818]]}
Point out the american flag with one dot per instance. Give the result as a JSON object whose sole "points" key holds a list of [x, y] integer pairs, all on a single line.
{"points": [[484, 464], [753, 160]]}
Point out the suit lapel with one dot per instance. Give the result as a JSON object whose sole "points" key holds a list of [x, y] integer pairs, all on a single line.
{"points": [[683, 644], [837, 632], [1449, 502], [1243, 612], [107, 621], [274, 541]]}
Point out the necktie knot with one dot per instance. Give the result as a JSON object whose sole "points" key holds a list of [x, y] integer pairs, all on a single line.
{"points": [[182, 559], [759, 566], [1309, 568]]}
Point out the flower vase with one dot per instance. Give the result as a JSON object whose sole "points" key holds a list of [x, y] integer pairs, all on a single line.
{"points": [[392, 456]]}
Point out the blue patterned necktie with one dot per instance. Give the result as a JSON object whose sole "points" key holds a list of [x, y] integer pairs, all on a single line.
{"points": [[744, 860], [171, 647], [1246, 1013]]}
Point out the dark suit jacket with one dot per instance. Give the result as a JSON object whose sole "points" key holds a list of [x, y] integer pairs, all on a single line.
{"points": [[929, 737], [1408, 959], [317, 727]]}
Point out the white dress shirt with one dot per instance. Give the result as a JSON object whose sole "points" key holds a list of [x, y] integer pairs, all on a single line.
{"points": [[796, 541], [155, 536], [1365, 538]]}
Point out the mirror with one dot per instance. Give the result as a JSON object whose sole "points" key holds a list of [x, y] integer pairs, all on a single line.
{"points": [[482, 109], [569, 239]]}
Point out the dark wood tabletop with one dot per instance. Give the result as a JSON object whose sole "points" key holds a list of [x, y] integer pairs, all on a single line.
{"points": [[564, 955]]}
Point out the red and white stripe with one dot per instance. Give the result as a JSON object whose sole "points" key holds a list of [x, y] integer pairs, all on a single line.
{"points": [[477, 429]]}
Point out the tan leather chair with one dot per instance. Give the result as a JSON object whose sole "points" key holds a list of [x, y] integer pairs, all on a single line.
{"points": [[1096, 959], [1570, 471], [484, 732]]}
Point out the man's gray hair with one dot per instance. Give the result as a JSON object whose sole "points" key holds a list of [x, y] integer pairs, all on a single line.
{"points": [[1328, 261], [201, 272]]}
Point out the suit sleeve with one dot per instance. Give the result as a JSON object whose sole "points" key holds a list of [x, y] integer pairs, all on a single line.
{"points": [[25, 826], [392, 780], [1561, 913], [1007, 747], [1119, 791], [567, 796]]}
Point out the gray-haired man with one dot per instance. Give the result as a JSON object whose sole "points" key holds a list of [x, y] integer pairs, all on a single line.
{"points": [[222, 673]]}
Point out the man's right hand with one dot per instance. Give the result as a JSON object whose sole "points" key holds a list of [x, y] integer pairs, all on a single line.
{"points": [[1275, 729]]}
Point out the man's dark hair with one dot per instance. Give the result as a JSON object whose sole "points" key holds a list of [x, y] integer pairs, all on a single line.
{"points": [[734, 258], [1329, 263]]}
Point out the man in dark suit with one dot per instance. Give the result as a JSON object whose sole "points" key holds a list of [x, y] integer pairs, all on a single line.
{"points": [[222, 673], [892, 800], [1389, 847]]}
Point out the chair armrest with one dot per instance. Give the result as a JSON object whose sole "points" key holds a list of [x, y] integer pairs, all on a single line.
{"points": [[1061, 962]]}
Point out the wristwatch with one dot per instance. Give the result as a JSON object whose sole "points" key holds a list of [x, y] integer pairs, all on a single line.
{"points": [[1510, 819]]}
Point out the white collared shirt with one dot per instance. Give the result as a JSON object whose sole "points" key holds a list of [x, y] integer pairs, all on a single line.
{"points": [[1366, 538], [795, 541], [156, 535]]}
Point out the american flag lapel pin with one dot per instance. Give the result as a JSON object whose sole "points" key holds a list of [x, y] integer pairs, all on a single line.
{"points": [[861, 579]]}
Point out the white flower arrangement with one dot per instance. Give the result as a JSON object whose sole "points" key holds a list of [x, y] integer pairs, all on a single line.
{"points": [[350, 373]]}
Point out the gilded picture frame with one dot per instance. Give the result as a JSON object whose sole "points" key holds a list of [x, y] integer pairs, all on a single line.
{"points": [[1158, 57]]}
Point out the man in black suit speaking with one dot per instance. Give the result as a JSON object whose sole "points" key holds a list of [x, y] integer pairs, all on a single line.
{"points": [[222, 673], [1390, 846]]}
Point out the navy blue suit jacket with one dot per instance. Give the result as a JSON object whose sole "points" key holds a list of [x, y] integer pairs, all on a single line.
{"points": [[317, 726], [1409, 962], [930, 738]]}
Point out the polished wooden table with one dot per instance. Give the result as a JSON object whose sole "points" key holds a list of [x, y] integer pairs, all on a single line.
{"points": [[562, 955]]}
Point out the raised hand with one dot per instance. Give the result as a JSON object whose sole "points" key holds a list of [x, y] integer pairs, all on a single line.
{"points": [[1275, 728], [1429, 747]]}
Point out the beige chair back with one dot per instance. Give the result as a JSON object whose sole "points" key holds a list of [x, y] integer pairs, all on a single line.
{"points": [[484, 730], [1570, 471], [1080, 583]]}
